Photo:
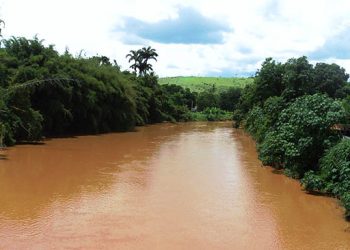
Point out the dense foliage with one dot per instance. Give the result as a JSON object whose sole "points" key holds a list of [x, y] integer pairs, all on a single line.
{"points": [[333, 176], [302, 133], [212, 98], [44, 93], [229, 98], [291, 110], [61, 94]]}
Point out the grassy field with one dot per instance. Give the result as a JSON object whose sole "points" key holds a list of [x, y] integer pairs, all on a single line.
{"points": [[201, 83]]}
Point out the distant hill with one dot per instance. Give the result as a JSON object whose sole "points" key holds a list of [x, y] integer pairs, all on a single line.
{"points": [[201, 83]]}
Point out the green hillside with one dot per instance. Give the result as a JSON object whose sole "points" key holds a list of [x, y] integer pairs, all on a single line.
{"points": [[201, 83]]}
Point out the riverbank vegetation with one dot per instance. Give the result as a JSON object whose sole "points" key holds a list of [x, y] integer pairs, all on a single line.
{"points": [[292, 110], [44, 93]]}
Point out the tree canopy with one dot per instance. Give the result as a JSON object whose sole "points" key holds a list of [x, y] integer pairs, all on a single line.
{"points": [[292, 110], [140, 60]]}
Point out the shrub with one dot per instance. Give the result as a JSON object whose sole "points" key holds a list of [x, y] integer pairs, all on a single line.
{"points": [[334, 174], [216, 114], [303, 132]]}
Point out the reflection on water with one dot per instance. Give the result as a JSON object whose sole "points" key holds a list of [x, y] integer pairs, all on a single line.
{"points": [[184, 186]]}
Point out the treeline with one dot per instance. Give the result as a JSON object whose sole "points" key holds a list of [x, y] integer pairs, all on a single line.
{"points": [[44, 94], [292, 110]]}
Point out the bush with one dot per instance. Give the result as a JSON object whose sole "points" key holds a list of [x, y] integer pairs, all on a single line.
{"points": [[208, 99], [312, 182], [335, 169], [345, 199], [334, 174], [216, 114], [260, 120], [228, 99], [303, 132]]}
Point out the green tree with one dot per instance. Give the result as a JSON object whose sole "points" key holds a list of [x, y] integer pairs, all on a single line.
{"points": [[208, 99], [260, 120], [303, 132], [346, 106], [329, 78], [298, 78], [134, 57], [269, 80], [148, 54], [228, 99], [333, 176], [140, 59]]}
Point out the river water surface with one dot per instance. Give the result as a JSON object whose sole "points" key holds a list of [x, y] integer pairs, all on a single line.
{"points": [[168, 186]]}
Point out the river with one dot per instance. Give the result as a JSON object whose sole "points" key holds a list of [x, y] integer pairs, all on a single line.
{"points": [[166, 186]]}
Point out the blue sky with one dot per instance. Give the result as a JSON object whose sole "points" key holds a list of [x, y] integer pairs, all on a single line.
{"points": [[193, 37], [189, 27]]}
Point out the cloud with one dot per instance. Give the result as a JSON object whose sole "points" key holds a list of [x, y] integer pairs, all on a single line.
{"points": [[337, 47], [226, 72], [194, 40], [243, 67], [272, 10], [172, 66], [190, 27], [132, 39], [245, 49]]}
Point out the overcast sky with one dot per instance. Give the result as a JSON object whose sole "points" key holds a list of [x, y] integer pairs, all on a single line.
{"points": [[193, 37]]}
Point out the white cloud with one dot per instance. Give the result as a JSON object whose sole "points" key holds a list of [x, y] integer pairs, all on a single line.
{"points": [[262, 28]]}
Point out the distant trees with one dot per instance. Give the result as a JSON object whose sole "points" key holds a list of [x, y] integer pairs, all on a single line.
{"points": [[229, 98], [140, 60], [208, 98]]}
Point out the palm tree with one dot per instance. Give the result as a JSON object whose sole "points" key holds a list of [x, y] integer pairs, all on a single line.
{"points": [[136, 58], [140, 59], [144, 68], [148, 54]]}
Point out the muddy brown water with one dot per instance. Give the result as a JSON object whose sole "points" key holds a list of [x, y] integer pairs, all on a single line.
{"points": [[168, 186]]}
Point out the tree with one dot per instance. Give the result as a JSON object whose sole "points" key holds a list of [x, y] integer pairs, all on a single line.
{"points": [[148, 54], [140, 60], [229, 98], [269, 80], [260, 120], [302, 134], [208, 99], [134, 56], [298, 78], [334, 174], [346, 106], [329, 78]]}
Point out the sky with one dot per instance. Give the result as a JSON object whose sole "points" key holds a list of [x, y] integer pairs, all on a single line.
{"points": [[220, 38]]}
